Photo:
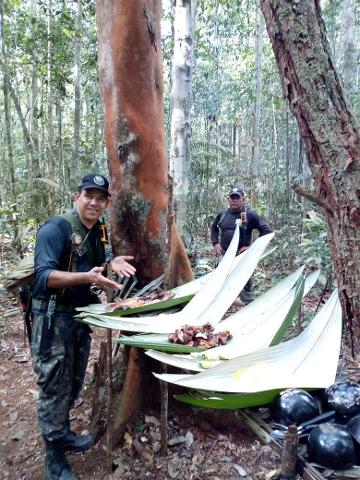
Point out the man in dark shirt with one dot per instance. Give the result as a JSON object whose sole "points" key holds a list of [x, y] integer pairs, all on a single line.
{"points": [[223, 227], [69, 258]]}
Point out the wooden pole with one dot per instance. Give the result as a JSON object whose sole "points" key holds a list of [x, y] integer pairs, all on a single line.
{"points": [[289, 454], [164, 414], [109, 442]]}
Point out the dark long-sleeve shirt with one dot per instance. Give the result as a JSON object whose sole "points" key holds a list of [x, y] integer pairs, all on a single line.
{"points": [[52, 252], [223, 233]]}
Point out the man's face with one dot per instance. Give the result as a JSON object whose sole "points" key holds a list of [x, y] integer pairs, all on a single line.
{"points": [[91, 204], [236, 202]]}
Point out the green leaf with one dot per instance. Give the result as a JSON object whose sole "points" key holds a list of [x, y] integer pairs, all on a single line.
{"points": [[157, 342], [223, 401], [299, 293]]}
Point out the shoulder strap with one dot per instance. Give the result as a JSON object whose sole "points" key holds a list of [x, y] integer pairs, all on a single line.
{"points": [[222, 216]]}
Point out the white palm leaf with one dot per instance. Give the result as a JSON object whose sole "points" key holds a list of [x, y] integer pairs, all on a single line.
{"points": [[253, 327], [203, 300], [191, 288], [255, 332], [235, 282], [307, 361]]}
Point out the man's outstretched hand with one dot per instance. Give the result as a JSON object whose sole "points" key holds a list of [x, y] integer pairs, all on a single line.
{"points": [[121, 266], [218, 249]]}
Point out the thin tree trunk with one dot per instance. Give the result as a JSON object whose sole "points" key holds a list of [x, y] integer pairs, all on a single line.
{"points": [[287, 167], [347, 43], [331, 137], [182, 65], [50, 127], [257, 107], [34, 110], [8, 126], [77, 98]]}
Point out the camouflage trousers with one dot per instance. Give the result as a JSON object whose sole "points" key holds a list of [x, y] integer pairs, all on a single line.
{"points": [[60, 348]]}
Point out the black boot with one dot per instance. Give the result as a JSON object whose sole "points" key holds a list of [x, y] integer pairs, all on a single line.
{"points": [[77, 443], [56, 466], [247, 296]]}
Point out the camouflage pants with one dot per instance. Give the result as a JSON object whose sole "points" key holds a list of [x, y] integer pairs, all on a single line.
{"points": [[60, 351]]}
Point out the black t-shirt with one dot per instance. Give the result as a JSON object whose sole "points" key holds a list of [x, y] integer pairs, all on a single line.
{"points": [[226, 230], [52, 252]]}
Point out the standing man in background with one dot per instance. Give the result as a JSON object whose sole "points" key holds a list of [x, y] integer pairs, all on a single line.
{"points": [[69, 259], [223, 227]]}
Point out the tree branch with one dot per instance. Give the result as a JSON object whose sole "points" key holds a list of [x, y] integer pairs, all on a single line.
{"points": [[310, 196]]}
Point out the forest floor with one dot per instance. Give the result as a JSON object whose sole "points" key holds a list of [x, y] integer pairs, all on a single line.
{"points": [[199, 448]]}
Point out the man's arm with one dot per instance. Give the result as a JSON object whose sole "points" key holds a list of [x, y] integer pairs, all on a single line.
{"points": [[261, 225], [52, 242], [215, 232], [60, 279]]}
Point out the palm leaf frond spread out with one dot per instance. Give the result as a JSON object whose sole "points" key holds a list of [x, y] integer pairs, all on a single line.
{"points": [[307, 361]]}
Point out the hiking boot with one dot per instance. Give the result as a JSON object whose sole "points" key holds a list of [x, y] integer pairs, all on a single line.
{"points": [[77, 443], [247, 296], [56, 466]]}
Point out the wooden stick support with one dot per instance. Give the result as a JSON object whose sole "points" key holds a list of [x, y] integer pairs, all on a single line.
{"points": [[289, 454], [164, 414], [109, 442]]}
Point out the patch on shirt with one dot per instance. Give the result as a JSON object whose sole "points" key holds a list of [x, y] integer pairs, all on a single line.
{"points": [[78, 243], [76, 238]]}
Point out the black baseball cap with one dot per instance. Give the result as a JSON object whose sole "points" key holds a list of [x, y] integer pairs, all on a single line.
{"points": [[94, 180], [237, 191]]}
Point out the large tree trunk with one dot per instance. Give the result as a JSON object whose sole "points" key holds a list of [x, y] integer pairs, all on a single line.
{"points": [[132, 92], [331, 136], [131, 86], [182, 64]]}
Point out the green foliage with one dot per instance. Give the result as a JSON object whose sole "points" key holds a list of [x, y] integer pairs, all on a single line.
{"points": [[314, 250], [222, 122]]}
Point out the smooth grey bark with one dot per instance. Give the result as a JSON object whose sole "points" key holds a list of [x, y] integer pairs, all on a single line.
{"points": [[347, 46], [181, 92], [331, 137]]}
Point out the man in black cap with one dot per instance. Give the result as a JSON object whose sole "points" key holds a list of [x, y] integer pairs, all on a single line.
{"points": [[69, 259], [223, 227]]}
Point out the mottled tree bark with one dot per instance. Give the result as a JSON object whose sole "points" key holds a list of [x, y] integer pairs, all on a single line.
{"points": [[331, 136], [132, 91]]}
